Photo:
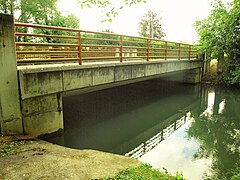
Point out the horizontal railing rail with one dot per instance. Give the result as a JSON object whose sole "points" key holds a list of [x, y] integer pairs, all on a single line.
{"points": [[47, 44], [145, 147]]}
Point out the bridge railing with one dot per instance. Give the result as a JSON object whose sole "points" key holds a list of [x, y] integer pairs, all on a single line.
{"points": [[145, 147], [43, 44]]}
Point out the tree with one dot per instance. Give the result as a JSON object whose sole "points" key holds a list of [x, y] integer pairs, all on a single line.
{"points": [[151, 26], [219, 136], [110, 8], [220, 35], [45, 12], [42, 12], [7, 6]]}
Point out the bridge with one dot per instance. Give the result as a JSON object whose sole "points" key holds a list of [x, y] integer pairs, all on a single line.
{"points": [[38, 64]]}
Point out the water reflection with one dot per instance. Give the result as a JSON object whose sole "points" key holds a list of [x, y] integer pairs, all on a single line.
{"points": [[177, 154], [177, 127], [151, 143], [208, 145], [120, 119], [219, 134], [210, 103]]}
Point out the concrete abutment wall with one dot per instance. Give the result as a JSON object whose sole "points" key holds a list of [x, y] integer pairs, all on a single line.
{"points": [[43, 114], [10, 112], [18, 115]]}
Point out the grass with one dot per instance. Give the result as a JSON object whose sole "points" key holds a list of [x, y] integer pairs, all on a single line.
{"points": [[236, 175], [8, 148], [144, 171]]}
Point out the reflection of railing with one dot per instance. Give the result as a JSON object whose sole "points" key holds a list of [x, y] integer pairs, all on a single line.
{"points": [[39, 43], [155, 140]]}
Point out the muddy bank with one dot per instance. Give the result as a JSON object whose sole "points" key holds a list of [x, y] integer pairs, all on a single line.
{"points": [[42, 160]]}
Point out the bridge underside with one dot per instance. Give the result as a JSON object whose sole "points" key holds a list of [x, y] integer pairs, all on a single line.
{"points": [[41, 89]]}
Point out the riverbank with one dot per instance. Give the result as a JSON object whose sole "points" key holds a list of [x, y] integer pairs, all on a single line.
{"points": [[37, 159]]}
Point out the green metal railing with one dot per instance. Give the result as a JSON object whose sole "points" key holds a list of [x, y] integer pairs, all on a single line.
{"points": [[47, 44]]}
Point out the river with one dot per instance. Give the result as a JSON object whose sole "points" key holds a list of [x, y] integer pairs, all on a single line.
{"points": [[190, 129]]}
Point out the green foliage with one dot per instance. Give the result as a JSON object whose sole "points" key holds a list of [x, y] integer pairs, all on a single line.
{"points": [[144, 171], [110, 8], [218, 136], [151, 26], [6, 6], [236, 175], [179, 176], [212, 31], [233, 77], [220, 34], [42, 12], [7, 149]]}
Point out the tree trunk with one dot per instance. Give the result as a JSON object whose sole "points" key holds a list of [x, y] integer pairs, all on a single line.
{"points": [[220, 63]]}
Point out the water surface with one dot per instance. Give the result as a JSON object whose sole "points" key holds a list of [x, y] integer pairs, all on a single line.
{"points": [[174, 127]]}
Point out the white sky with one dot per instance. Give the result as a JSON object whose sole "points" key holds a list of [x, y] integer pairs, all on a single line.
{"points": [[178, 17], [179, 159]]}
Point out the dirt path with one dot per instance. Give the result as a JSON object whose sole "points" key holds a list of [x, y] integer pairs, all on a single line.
{"points": [[42, 160]]}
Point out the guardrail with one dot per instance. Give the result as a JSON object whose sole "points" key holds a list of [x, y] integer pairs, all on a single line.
{"points": [[43, 44]]}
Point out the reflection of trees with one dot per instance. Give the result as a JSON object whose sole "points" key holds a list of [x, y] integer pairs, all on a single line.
{"points": [[219, 137]]}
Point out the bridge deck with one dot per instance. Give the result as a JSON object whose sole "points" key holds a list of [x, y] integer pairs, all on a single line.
{"points": [[89, 63]]}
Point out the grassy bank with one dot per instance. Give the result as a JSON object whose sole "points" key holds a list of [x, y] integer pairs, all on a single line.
{"points": [[8, 148], [144, 171], [90, 164]]}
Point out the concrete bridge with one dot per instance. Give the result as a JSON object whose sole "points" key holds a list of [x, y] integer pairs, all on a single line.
{"points": [[36, 71]]}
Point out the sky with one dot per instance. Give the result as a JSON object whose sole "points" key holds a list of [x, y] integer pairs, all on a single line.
{"points": [[178, 17], [180, 159]]}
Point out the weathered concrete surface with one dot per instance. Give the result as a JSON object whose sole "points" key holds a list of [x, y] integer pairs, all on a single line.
{"points": [[10, 114], [42, 160], [191, 76], [44, 81], [41, 88], [42, 114]]}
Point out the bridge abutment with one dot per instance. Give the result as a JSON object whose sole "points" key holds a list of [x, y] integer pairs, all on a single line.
{"points": [[10, 111], [190, 76], [193, 76], [42, 114]]}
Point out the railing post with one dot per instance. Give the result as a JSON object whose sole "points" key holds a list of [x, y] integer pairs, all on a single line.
{"points": [[121, 49], [197, 55], [179, 51], [189, 52], [79, 48], [147, 49], [166, 50]]}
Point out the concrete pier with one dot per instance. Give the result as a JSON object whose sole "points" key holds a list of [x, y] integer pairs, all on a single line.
{"points": [[10, 113]]}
